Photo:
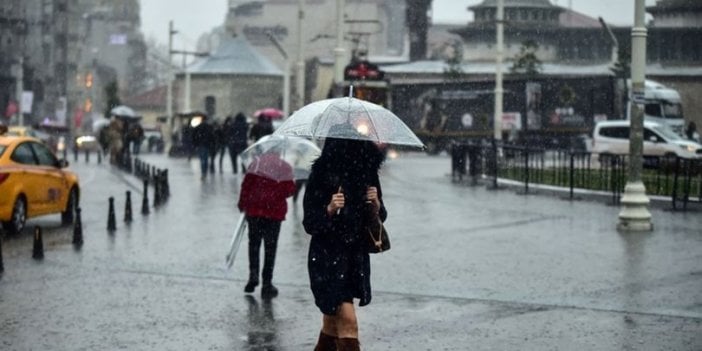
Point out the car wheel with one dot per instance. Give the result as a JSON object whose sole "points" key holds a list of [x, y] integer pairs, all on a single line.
{"points": [[19, 216], [71, 206]]}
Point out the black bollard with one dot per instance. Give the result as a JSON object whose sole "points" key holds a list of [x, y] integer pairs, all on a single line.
{"points": [[75, 154], [145, 202], [128, 208], [38, 252], [78, 229], [87, 155], [2, 267], [99, 154], [157, 191], [166, 189], [65, 154], [111, 220]]}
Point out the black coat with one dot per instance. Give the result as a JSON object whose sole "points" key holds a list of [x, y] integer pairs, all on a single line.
{"points": [[338, 261]]}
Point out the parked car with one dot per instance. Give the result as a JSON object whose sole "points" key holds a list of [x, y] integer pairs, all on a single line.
{"points": [[86, 142], [612, 138], [34, 182]]}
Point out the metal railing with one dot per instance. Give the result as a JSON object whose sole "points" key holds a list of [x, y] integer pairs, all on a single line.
{"points": [[674, 177]]}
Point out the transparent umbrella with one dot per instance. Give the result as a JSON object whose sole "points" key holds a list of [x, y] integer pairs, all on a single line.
{"points": [[298, 153], [367, 120], [123, 111]]}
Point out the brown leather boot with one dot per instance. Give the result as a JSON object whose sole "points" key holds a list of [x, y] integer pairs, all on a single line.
{"points": [[325, 343], [347, 344]]}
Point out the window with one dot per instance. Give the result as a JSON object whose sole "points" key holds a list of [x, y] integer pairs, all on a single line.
{"points": [[23, 154], [210, 105], [649, 135], [44, 155], [615, 132], [653, 110]]}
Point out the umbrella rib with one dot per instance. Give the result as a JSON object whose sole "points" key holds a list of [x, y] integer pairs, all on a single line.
{"points": [[370, 120]]}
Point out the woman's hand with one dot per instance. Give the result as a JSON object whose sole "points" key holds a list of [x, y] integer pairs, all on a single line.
{"points": [[372, 198], [337, 202]]}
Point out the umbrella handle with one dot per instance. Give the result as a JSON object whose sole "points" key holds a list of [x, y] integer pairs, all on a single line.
{"points": [[341, 190]]}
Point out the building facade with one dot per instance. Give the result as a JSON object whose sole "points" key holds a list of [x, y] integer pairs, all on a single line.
{"points": [[70, 50], [570, 47]]}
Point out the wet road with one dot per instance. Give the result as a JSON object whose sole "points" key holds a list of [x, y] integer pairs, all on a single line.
{"points": [[470, 269]]}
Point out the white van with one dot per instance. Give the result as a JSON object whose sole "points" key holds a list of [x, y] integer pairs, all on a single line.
{"points": [[662, 105], [612, 137]]}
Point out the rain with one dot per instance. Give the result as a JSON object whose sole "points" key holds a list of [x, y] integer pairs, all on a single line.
{"points": [[350, 175]]}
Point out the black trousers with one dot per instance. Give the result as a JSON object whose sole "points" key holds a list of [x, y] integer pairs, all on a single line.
{"points": [[266, 230]]}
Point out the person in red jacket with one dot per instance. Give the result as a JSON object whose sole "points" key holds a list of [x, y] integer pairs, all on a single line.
{"points": [[267, 184]]}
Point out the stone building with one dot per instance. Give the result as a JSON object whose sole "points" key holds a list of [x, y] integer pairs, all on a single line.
{"points": [[233, 78]]}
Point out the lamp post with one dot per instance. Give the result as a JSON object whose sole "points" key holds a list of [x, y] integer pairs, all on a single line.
{"points": [[300, 57], [169, 85], [498, 69], [339, 50], [286, 74], [186, 71], [634, 215], [19, 88]]}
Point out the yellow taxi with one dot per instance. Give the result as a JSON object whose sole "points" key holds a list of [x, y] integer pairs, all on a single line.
{"points": [[33, 182]]}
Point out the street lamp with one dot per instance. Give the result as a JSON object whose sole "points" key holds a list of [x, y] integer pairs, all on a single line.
{"points": [[286, 76], [185, 53], [300, 57], [634, 215], [498, 70], [339, 50], [19, 87]]}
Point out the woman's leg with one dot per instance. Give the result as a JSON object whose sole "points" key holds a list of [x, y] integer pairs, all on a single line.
{"points": [[270, 243], [346, 323], [232, 155], [327, 336], [254, 253]]}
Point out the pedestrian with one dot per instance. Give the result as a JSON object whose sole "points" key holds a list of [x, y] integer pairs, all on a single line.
{"points": [[202, 136], [236, 132], [216, 145], [691, 131], [263, 127], [342, 187], [115, 144], [263, 201]]}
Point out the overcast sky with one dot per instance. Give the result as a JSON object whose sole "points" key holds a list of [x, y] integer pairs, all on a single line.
{"points": [[193, 18]]}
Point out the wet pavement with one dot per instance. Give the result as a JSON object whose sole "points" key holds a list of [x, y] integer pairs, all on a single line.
{"points": [[469, 269]]}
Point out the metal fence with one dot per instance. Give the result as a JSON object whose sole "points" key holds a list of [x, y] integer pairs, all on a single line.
{"points": [[674, 177]]}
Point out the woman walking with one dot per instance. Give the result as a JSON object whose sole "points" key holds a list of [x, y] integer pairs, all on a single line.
{"points": [[263, 200], [342, 188]]}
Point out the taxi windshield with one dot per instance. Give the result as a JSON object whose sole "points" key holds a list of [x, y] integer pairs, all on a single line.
{"points": [[2, 149]]}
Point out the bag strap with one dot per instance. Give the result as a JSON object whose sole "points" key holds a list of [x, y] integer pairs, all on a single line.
{"points": [[377, 242]]}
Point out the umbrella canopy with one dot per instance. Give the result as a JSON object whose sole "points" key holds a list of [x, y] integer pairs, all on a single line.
{"points": [[368, 120], [297, 153], [123, 112], [100, 123], [270, 112]]}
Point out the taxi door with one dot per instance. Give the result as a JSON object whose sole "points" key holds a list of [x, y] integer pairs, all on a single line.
{"points": [[31, 178], [54, 186]]}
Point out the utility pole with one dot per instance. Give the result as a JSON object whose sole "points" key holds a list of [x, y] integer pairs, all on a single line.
{"points": [[634, 215], [286, 74], [300, 57], [19, 88], [169, 80], [339, 50], [186, 72], [498, 69]]}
